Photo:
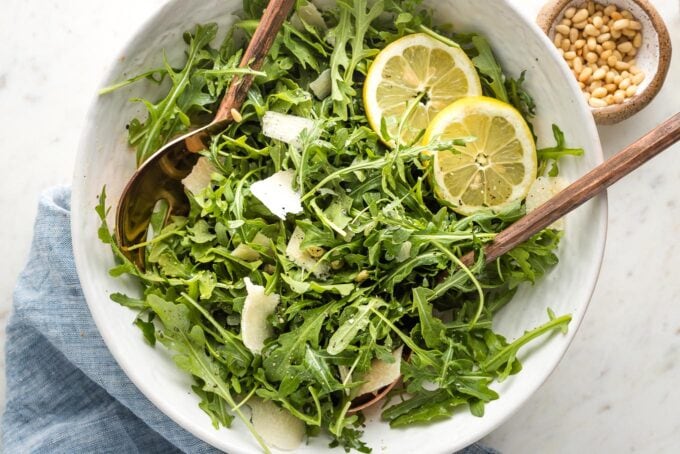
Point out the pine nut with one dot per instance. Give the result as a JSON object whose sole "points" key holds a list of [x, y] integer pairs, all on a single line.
{"points": [[621, 65], [578, 65], [599, 74], [631, 91], [597, 21], [580, 15], [625, 47], [573, 35], [604, 37], [611, 88], [637, 41], [558, 39], [638, 78], [625, 83], [569, 55], [569, 12], [596, 102], [621, 24], [628, 33], [566, 44], [609, 78], [595, 85], [585, 74], [591, 30], [635, 25], [591, 57], [619, 96], [562, 29], [592, 43]]}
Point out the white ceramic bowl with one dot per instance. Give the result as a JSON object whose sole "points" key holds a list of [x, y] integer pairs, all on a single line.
{"points": [[104, 159]]}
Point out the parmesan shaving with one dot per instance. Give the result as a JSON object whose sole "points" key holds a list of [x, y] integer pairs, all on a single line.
{"points": [[277, 194], [322, 85], [381, 373], [200, 176], [286, 128], [258, 306], [542, 190], [277, 426], [302, 258]]}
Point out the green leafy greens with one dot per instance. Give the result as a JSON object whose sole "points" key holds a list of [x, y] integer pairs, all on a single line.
{"points": [[370, 215]]}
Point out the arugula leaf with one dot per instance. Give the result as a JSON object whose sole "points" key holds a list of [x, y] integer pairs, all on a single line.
{"points": [[559, 151], [289, 349], [165, 118], [431, 327], [493, 80]]}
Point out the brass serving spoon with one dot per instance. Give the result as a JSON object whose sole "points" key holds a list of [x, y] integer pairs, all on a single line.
{"points": [[576, 194], [160, 177]]}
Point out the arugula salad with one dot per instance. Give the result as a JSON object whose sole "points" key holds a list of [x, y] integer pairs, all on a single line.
{"points": [[320, 260]]}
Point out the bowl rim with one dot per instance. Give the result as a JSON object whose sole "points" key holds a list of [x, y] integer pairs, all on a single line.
{"points": [[554, 9], [207, 433]]}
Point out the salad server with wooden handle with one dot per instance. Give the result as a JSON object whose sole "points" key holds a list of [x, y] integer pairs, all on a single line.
{"points": [[576, 194], [160, 177]]}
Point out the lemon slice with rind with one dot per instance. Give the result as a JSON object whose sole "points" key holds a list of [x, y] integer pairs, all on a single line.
{"points": [[420, 75], [493, 171]]}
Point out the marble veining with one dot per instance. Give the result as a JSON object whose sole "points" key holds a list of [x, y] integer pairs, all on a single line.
{"points": [[616, 388]]}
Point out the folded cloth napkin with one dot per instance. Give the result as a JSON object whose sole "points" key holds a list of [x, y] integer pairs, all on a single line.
{"points": [[65, 392]]}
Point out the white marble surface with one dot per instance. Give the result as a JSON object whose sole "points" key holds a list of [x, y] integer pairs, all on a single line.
{"points": [[615, 390]]}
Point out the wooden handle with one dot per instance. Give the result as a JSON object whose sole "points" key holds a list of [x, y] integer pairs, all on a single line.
{"points": [[583, 189], [271, 22]]}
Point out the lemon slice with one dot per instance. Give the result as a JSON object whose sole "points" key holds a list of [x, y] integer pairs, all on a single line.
{"points": [[420, 73], [491, 172]]}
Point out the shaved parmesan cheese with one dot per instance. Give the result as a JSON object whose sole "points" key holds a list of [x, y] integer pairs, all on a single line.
{"points": [[310, 15], [248, 254], [543, 189], [199, 178], [404, 252], [381, 373], [277, 426], [302, 258], [321, 86], [277, 194], [286, 128], [256, 309]]}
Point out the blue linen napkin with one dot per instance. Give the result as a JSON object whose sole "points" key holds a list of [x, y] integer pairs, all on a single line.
{"points": [[65, 392]]}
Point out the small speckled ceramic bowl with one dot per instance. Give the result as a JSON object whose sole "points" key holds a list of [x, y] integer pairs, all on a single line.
{"points": [[653, 57]]}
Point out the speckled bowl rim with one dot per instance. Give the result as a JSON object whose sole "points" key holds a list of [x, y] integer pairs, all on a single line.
{"points": [[553, 10]]}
